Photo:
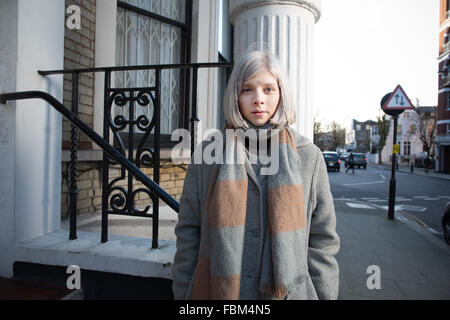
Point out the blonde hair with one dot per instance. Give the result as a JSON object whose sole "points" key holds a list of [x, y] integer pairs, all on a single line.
{"points": [[248, 66]]}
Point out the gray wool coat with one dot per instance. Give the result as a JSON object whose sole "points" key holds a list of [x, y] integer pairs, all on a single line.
{"points": [[322, 281]]}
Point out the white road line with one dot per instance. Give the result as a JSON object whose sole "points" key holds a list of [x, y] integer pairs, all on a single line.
{"points": [[362, 183], [414, 208], [359, 205], [434, 231], [382, 177]]}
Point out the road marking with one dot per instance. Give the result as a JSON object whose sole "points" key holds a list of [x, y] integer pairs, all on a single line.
{"points": [[434, 231], [359, 205], [397, 208], [416, 220], [414, 208], [362, 183], [377, 200], [382, 177], [345, 199]]}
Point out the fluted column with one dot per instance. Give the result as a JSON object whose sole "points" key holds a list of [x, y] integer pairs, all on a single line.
{"points": [[284, 28]]}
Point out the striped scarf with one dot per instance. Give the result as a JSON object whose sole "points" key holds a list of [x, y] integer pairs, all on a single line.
{"points": [[218, 271]]}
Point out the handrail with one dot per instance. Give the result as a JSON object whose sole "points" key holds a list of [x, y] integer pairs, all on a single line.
{"points": [[155, 188], [139, 67]]}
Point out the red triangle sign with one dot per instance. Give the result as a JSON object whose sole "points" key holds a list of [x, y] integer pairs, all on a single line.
{"points": [[398, 100]]}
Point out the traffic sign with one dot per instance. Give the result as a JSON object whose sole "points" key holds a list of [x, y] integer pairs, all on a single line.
{"points": [[396, 148], [398, 100]]}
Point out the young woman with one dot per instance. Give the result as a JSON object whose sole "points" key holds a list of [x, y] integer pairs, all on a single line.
{"points": [[243, 234]]}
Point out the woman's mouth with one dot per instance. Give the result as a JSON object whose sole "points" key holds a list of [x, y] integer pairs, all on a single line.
{"points": [[258, 113]]}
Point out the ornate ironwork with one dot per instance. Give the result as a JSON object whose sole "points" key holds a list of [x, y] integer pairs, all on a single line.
{"points": [[121, 199]]}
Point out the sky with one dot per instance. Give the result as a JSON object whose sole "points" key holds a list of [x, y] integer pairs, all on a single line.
{"points": [[364, 48]]}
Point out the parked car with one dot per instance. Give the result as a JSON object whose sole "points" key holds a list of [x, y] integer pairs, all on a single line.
{"points": [[332, 160], [446, 223], [359, 160]]}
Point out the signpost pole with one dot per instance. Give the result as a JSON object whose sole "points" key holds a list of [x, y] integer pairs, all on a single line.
{"points": [[393, 104], [392, 183]]}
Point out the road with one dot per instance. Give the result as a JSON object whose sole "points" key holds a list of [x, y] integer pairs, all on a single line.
{"points": [[421, 197]]}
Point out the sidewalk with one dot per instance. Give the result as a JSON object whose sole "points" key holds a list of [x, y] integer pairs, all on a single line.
{"points": [[413, 264]]}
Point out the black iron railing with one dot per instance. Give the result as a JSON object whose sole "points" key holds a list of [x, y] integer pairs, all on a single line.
{"points": [[118, 199]]}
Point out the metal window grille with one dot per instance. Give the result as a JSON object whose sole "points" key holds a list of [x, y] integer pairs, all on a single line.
{"points": [[142, 40]]}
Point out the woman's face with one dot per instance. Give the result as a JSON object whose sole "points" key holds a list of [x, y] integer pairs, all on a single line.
{"points": [[259, 97]]}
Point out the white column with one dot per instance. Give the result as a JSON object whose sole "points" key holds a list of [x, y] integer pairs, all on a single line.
{"points": [[105, 55], [32, 39], [286, 29], [8, 52], [205, 49]]}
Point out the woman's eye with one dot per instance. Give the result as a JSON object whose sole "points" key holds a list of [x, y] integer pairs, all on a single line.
{"points": [[246, 90], [269, 89]]}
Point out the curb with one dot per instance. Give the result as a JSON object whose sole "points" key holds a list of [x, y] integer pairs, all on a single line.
{"points": [[432, 175], [423, 229]]}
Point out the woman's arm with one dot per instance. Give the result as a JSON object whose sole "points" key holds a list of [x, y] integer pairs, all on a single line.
{"points": [[187, 231], [323, 239]]}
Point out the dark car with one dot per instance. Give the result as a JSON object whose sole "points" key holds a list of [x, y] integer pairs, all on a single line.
{"points": [[359, 160], [332, 160], [446, 223]]}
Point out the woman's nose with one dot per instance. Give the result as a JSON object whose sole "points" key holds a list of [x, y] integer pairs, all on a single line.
{"points": [[258, 98]]}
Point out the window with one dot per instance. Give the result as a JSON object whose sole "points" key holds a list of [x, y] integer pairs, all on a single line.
{"points": [[406, 148], [358, 127], [153, 32], [448, 100], [225, 49], [448, 128], [399, 129], [374, 130], [412, 129], [446, 38]]}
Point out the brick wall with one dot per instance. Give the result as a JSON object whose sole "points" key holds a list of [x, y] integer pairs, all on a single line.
{"points": [[90, 192], [79, 51]]}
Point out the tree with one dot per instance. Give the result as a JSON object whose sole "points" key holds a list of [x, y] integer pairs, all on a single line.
{"points": [[318, 134], [337, 135], [426, 131], [317, 130], [383, 125]]}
